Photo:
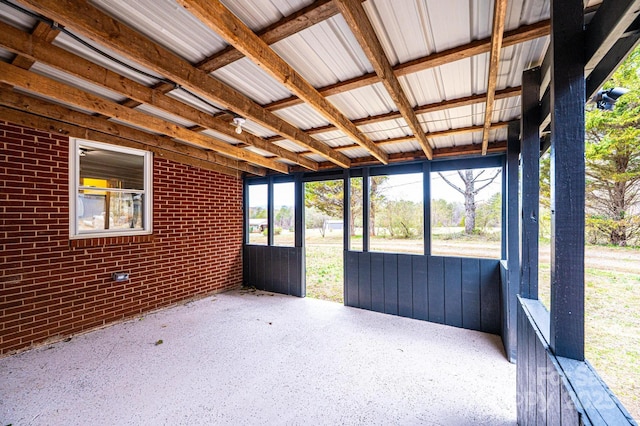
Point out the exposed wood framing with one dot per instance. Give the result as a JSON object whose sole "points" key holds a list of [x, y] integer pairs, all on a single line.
{"points": [[499, 13], [235, 32], [42, 123], [102, 125], [517, 36], [421, 109], [41, 31], [361, 27], [15, 76], [442, 133], [87, 20], [36, 49], [494, 147], [610, 22]]}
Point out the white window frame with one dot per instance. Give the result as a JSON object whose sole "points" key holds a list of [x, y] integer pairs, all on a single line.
{"points": [[74, 187]]}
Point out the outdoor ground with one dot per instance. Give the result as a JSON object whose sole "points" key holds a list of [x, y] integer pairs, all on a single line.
{"points": [[612, 298]]}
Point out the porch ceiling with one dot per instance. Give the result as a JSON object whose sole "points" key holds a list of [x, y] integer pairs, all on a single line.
{"points": [[259, 358], [324, 83]]}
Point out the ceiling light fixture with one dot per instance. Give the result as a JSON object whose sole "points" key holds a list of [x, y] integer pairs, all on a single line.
{"points": [[238, 122]]}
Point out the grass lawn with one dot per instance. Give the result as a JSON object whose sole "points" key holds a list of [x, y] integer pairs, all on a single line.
{"points": [[612, 298]]}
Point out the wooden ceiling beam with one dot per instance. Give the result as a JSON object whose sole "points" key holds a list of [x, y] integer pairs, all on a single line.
{"points": [[513, 37], [36, 49], [318, 11], [49, 125], [499, 14], [235, 32], [438, 134], [41, 31], [420, 109], [85, 19], [361, 27], [102, 126], [18, 77], [438, 153]]}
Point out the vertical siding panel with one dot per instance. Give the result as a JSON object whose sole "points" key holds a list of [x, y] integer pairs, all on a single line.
{"points": [[471, 294], [391, 284], [436, 289], [405, 286], [453, 291], [377, 282], [364, 281], [543, 399], [521, 367], [297, 283], [554, 385], [352, 279], [420, 296], [490, 296], [531, 375]]}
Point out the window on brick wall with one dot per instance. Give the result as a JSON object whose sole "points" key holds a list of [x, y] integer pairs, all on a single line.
{"points": [[110, 190]]}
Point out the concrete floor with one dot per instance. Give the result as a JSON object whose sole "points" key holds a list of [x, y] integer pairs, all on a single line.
{"points": [[255, 358]]}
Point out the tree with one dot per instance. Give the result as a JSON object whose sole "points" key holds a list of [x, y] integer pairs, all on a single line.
{"points": [[613, 160], [469, 191], [489, 213]]}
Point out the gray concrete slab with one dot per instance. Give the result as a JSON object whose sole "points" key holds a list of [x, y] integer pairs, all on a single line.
{"points": [[256, 358]]}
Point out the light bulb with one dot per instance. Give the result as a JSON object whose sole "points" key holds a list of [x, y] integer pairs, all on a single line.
{"points": [[238, 121]]}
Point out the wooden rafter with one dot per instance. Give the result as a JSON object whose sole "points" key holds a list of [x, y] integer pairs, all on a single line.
{"points": [[18, 77], [236, 33], [102, 125], [41, 31], [439, 134], [494, 147], [361, 27], [517, 36], [34, 49], [34, 121], [90, 22], [420, 109], [499, 14]]}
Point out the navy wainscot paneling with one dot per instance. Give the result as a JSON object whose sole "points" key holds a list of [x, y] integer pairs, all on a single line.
{"points": [[436, 289], [377, 282], [275, 269], [390, 283], [420, 287], [405, 286], [453, 291], [364, 281], [351, 279], [471, 294]]}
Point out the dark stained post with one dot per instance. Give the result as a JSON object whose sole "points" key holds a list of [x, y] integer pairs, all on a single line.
{"points": [[365, 209], [270, 212], [245, 212], [426, 205], [298, 210], [530, 196], [567, 179], [512, 238], [346, 215]]}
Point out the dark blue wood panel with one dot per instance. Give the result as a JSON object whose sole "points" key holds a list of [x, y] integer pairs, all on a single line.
{"points": [[391, 284], [436, 289], [351, 279], [471, 294], [420, 295], [453, 291], [377, 282], [405, 286], [490, 296], [364, 281]]}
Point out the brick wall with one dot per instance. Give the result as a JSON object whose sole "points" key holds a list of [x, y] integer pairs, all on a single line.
{"points": [[50, 289]]}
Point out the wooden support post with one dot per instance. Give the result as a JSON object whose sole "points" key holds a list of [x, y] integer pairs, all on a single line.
{"points": [[426, 202], [567, 179], [512, 239], [365, 209], [271, 216], [530, 195], [298, 210]]}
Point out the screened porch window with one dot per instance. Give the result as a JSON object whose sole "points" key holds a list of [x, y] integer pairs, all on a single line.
{"points": [[110, 190]]}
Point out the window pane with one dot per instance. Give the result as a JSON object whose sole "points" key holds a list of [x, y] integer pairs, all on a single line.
{"points": [[284, 220], [355, 219], [396, 215], [108, 210], [258, 221], [110, 169], [466, 213]]}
